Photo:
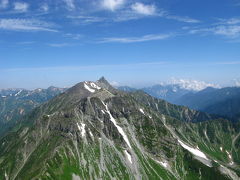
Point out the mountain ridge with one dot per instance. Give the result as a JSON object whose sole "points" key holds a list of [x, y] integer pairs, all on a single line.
{"points": [[93, 132]]}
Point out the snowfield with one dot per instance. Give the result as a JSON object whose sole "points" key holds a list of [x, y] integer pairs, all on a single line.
{"points": [[120, 130], [195, 152], [82, 129], [128, 156], [88, 88], [141, 110]]}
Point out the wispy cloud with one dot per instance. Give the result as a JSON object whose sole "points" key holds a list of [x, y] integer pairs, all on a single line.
{"points": [[59, 45], [229, 28], [74, 36], [151, 37], [231, 31], [230, 21], [25, 25], [141, 8], [70, 4], [44, 7], [21, 6], [123, 10], [183, 19], [112, 5], [3, 4], [87, 19]]}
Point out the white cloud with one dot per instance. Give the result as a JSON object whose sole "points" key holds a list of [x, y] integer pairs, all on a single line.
{"points": [[114, 83], [87, 19], [59, 45], [237, 82], [20, 6], [225, 27], [70, 4], [231, 21], [126, 16], [25, 25], [230, 31], [112, 5], [183, 19], [144, 9], [151, 37], [192, 84], [4, 3], [74, 36], [44, 7]]}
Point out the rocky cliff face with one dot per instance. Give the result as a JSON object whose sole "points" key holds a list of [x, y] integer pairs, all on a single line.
{"points": [[93, 131]]}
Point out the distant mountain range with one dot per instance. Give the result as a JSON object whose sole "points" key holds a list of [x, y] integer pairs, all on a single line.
{"points": [[15, 103], [169, 92], [94, 131], [172, 90], [220, 101], [224, 101]]}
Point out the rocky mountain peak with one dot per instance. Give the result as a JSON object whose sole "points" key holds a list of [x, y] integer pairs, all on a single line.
{"points": [[103, 80], [93, 131]]}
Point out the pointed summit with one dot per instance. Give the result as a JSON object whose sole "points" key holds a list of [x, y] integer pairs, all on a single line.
{"points": [[105, 84], [85, 89], [103, 80]]}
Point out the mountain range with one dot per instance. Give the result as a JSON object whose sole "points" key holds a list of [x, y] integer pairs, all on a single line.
{"points": [[94, 131], [169, 92], [220, 101], [15, 103], [224, 101]]}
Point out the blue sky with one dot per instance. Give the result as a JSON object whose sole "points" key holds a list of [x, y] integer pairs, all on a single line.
{"points": [[132, 42]]}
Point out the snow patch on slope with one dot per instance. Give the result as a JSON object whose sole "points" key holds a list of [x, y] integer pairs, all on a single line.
{"points": [[230, 157], [82, 129], [163, 163], [5, 174], [141, 110], [90, 132], [94, 86], [195, 152], [128, 156], [88, 88], [18, 93], [120, 130]]}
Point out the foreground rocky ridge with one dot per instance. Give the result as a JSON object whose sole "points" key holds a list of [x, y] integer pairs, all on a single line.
{"points": [[93, 131]]}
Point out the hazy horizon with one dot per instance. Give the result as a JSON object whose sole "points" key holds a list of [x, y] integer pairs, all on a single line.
{"points": [[139, 84]]}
